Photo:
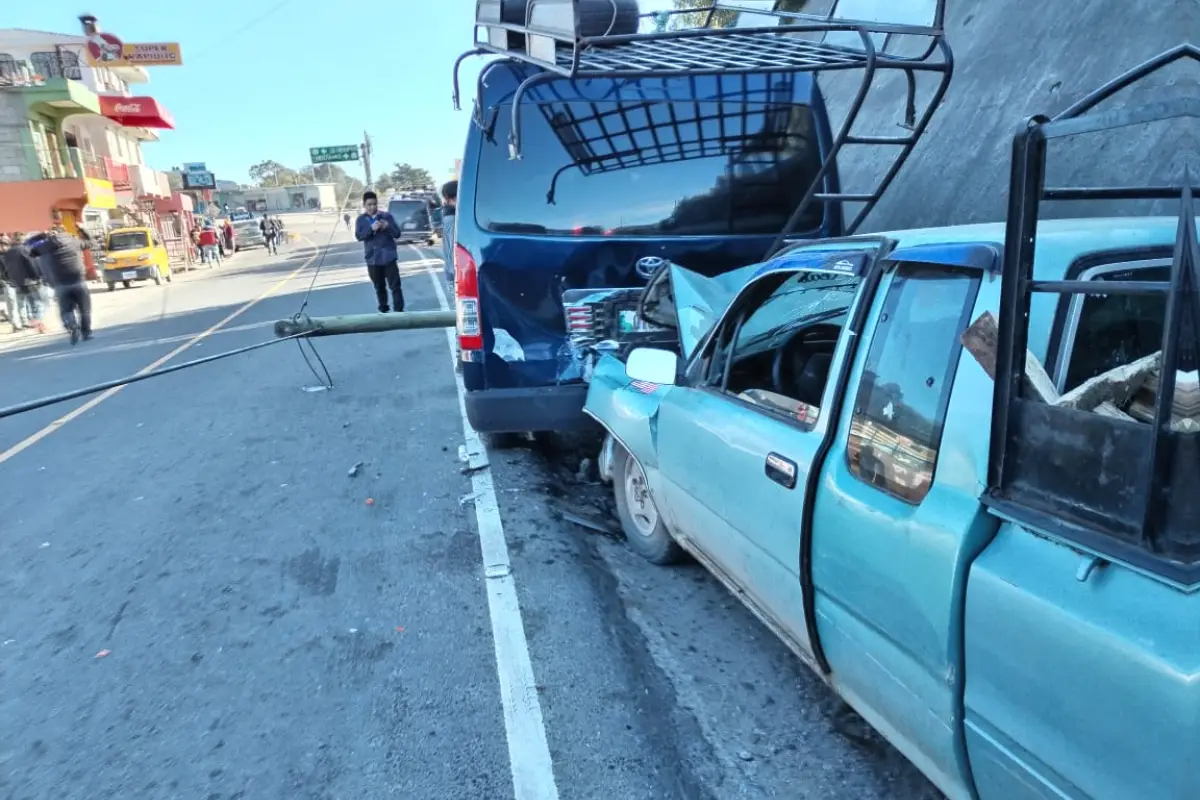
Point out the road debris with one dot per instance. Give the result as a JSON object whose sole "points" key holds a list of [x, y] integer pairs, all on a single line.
{"points": [[353, 471], [317, 388], [104, 654], [469, 498], [370, 501], [591, 520], [476, 460]]}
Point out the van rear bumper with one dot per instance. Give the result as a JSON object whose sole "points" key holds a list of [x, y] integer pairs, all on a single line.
{"points": [[535, 409]]}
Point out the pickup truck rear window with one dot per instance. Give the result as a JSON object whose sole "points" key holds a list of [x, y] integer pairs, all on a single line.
{"points": [[705, 168], [896, 428], [1116, 329]]}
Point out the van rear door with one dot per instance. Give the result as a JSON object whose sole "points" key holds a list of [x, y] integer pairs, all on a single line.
{"points": [[702, 171]]}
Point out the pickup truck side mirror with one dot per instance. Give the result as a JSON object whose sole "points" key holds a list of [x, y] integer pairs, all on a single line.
{"points": [[651, 365]]}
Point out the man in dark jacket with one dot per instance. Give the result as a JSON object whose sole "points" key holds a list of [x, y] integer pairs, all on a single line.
{"points": [[61, 256], [378, 231], [24, 277]]}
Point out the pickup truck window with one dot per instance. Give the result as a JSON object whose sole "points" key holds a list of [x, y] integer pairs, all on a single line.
{"points": [[1112, 330], [783, 344], [896, 427]]}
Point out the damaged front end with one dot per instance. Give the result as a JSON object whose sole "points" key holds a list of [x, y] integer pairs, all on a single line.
{"points": [[674, 311]]}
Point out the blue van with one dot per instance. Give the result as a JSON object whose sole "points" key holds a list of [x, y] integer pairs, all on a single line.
{"points": [[613, 176]]}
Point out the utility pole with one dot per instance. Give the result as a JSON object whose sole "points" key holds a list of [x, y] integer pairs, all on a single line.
{"points": [[366, 157]]}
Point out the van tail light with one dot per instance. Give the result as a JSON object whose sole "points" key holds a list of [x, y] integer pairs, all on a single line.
{"points": [[466, 300]]}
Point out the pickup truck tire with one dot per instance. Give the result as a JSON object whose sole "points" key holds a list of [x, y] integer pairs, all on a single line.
{"points": [[643, 525]]}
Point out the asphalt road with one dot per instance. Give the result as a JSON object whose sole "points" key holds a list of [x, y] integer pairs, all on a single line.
{"points": [[200, 601]]}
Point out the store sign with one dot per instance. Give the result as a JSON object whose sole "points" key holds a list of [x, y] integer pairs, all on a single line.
{"points": [[328, 155], [106, 50], [199, 180]]}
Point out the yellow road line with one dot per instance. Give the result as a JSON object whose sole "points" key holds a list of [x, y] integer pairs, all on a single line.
{"points": [[25, 444]]}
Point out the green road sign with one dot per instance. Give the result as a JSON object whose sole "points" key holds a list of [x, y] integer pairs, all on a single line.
{"points": [[327, 155]]}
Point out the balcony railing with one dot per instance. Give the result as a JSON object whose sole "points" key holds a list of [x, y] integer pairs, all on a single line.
{"points": [[118, 173], [29, 163]]}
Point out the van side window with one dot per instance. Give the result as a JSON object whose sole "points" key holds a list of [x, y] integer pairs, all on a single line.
{"points": [[896, 426], [1113, 329]]}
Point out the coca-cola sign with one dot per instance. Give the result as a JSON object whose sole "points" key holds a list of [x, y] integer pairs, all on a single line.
{"points": [[127, 108]]}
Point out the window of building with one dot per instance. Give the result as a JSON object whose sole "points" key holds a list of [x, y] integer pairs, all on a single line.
{"points": [[56, 64], [898, 414]]}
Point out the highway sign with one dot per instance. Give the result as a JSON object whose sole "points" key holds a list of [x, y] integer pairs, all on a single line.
{"points": [[328, 155]]}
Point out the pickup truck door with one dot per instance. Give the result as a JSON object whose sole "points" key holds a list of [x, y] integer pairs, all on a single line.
{"points": [[897, 522], [734, 464]]}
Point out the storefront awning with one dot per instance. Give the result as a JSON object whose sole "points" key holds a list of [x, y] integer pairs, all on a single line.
{"points": [[136, 112]]}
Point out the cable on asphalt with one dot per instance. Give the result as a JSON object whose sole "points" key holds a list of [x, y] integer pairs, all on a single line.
{"points": [[95, 388]]}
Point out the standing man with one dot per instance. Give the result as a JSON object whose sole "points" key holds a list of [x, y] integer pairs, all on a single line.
{"points": [[267, 226], [61, 255], [378, 231], [210, 249], [346, 219], [23, 273], [12, 300], [227, 232], [449, 208]]}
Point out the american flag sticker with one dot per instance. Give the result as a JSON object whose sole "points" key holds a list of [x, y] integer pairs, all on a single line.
{"points": [[645, 387]]}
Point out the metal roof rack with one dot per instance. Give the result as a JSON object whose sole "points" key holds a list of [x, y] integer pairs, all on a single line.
{"points": [[798, 43], [1139, 503]]}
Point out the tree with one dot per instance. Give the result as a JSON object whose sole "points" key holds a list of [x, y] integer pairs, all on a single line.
{"points": [[406, 176], [272, 173], [722, 18]]}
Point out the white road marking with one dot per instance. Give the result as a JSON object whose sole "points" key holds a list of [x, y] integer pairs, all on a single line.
{"points": [[528, 750]]}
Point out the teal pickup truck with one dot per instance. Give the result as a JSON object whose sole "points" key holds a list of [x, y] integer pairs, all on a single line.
{"points": [[956, 470]]}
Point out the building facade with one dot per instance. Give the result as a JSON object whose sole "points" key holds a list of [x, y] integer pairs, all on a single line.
{"points": [[71, 135]]}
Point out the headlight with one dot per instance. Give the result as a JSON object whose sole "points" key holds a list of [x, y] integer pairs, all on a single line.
{"points": [[110, 260], [143, 258]]}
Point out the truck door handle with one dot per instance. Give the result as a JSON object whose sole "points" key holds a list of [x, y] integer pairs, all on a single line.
{"points": [[781, 470]]}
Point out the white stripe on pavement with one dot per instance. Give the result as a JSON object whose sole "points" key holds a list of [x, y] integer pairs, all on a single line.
{"points": [[528, 750]]}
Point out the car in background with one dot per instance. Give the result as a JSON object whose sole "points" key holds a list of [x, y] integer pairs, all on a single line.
{"points": [[135, 254], [247, 234], [414, 217]]}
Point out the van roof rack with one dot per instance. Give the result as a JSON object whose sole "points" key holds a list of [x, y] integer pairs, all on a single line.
{"points": [[795, 43], [1114, 486]]}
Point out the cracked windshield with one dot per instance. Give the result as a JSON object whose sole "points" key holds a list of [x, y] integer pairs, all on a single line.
{"points": [[543, 399]]}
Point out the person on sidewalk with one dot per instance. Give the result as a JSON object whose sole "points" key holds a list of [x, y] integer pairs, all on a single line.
{"points": [[267, 226], [210, 249], [227, 233], [449, 208], [23, 273], [346, 219], [378, 232], [61, 257]]}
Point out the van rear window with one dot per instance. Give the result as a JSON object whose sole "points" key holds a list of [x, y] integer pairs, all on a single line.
{"points": [[651, 168]]}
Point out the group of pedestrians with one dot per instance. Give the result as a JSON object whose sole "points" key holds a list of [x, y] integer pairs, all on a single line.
{"points": [[378, 232], [32, 265]]}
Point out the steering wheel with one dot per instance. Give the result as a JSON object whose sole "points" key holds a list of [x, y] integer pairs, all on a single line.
{"points": [[798, 356]]}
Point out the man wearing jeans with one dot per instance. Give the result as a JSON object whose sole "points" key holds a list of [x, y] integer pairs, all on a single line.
{"points": [[378, 232]]}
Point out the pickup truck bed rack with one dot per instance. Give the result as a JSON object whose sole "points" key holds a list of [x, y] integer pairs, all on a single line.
{"points": [[1116, 488], [798, 43]]}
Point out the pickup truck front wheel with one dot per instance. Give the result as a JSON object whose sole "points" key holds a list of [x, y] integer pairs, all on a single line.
{"points": [[643, 525]]}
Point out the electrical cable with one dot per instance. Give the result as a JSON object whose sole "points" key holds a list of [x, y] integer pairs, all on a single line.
{"points": [[33, 405]]}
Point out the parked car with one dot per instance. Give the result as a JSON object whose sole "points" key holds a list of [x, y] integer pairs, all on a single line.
{"points": [[247, 234], [954, 469], [135, 254], [613, 176], [414, 215]]}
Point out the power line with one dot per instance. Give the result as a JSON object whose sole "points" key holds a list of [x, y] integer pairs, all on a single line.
{"points": [[239, 31]]}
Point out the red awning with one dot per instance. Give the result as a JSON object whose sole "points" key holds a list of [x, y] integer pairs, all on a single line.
{"points": [[136, 112]]}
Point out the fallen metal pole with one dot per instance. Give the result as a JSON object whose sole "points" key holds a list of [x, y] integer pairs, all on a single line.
{"points": [[305, 325]]}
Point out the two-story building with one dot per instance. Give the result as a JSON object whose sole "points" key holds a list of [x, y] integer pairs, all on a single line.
{"points": [[71, 135]]}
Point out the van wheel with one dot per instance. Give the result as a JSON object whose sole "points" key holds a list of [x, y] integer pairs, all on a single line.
{"points": [[157, 278], [643, 525], [500, 441], [168, 277], [112, 286], [127, 284]]}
